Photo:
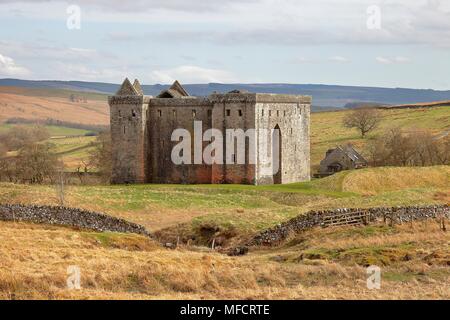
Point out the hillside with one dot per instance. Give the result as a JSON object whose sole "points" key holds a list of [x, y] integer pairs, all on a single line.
{"points": [[319, 263], [244, 209], [327, 130], [53, 104], [323, 95]]}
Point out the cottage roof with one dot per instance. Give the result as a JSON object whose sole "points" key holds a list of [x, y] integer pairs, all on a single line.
{"points": [[352, 153]]}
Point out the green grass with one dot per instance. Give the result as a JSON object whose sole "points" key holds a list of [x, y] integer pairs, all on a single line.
{"points": [[245, 208], [53, 130], [327, 130]]}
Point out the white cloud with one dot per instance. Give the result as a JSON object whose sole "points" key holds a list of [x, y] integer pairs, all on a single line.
{"points": [[192, 74], [339, 59], [393, 60], [31, 49], [78, 71], [9, 68], [287, 22]]}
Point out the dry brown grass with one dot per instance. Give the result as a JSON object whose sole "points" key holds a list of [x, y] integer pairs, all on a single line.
{"points": [[372, 181], [116, 266], [43, 108]]}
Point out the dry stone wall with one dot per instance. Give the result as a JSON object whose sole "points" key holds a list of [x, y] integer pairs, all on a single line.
{"points": [[317, 218], [69, 217]]}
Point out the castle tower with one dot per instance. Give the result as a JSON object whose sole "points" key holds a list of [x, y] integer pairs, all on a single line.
{"points": [[128, 117]]}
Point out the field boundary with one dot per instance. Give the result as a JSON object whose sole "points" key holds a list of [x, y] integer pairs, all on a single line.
{"points": [[355, 216], [71, 217]]}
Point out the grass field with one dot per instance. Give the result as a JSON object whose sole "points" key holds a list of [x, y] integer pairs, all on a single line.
{"points": [[327, 130], [55, 131], [245, 209], [73, 150], [20, 105], [318, 264]]}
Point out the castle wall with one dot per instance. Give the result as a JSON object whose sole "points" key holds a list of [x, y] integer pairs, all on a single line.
{"points": [[164, 116], [128, 132], [234, 111], [142, 128], [292, 115]]}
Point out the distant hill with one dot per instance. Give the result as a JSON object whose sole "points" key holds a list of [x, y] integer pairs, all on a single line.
{"points": [[328, 96], [55, 104]]}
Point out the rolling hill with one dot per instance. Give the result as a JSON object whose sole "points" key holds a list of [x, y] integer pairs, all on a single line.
{"points": [[55, 104], [323, 95]]}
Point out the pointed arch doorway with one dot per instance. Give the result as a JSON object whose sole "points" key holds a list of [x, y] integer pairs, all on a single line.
{"points": [[277, 155]]}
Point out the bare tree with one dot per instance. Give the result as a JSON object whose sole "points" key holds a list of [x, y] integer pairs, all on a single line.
{"points": [[35, 163], [363, 119], [100, 156], [417, 148]]}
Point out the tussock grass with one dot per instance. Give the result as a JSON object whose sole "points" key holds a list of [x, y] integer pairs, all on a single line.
{"points": [[118, 266]]}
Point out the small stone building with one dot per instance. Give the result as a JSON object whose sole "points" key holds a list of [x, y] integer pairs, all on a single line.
{"points": [[341, 158], [142, 130]]}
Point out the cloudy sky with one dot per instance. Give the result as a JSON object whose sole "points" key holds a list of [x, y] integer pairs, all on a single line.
{"points": [[391, 43]]}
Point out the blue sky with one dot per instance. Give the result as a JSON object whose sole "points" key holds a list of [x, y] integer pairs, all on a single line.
{"points": [[389, 43]]}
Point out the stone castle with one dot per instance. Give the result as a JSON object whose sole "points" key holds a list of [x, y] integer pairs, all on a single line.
{"points": [[142, 127]]}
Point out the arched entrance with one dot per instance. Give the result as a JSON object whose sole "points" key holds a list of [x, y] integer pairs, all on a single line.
{"points": [[276, 155]]}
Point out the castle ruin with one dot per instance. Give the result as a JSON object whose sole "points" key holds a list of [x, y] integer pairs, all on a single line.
{"points": [[142, 128]]}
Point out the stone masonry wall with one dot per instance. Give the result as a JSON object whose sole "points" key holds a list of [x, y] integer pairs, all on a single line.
{"points": [[293, 120], [141, 129], [316, 218], [164, 116], [69, 217], [128, 132]]}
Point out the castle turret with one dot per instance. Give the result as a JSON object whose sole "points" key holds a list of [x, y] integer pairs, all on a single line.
{"points": [[128, 114]]}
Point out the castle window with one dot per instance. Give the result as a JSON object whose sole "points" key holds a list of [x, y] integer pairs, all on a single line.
{"points": [[228, 112], [120, 114], [159, 113], [270, 113], [278, 113], [174, 113], [209, 113], [262, 113], [133, 113], [123, 129], [194, 114], [291, 130], [240, 113], [284, 113]]}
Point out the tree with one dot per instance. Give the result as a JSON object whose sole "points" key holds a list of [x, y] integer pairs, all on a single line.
{"points": [[415, 148], [363, 119], [20, 136], [100, 156], [36, 162]]}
